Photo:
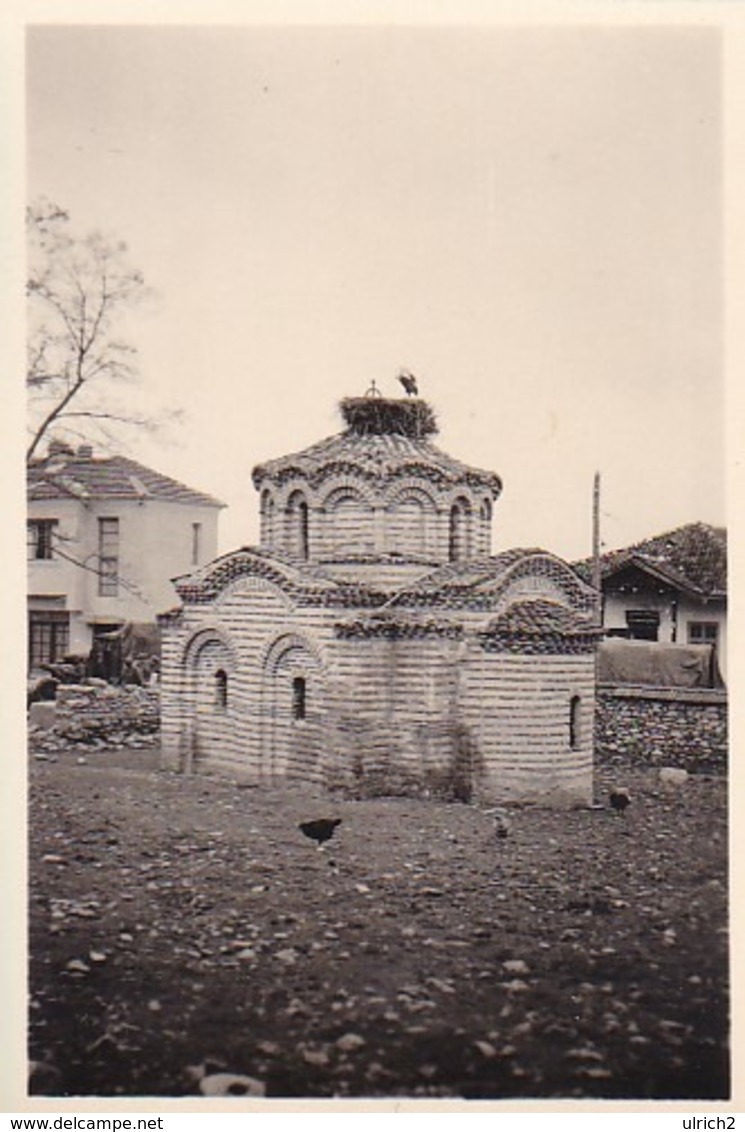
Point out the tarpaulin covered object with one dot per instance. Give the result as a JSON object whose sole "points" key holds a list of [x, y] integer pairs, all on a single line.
{"points": [[657, 664]]}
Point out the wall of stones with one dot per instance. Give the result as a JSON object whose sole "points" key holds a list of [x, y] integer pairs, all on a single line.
{"points": [[652, 728], [101, 714]]}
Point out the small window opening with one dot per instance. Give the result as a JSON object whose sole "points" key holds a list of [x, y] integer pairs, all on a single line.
{"points": [[574, 706], [644, 624], [303, 529], [702, 632], [221, 689], [42, 534], [196, 543], [459, 533], [298, 697], [108, 557]]}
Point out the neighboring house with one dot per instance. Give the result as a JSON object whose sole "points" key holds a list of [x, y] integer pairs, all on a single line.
{"points": [[105, 537], [372, 642], [672, 588]]}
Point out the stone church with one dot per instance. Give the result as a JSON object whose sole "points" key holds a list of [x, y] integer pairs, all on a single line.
{"points": [[372, 643]]}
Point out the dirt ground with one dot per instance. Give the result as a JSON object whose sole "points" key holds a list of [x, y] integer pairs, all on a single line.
{"points": [[183, 928]]}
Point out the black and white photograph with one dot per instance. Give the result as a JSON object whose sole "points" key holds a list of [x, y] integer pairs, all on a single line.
{"points": [[376, 635]]}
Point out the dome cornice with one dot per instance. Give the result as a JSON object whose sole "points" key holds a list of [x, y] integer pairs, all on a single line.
{"points": [[378, 460]]}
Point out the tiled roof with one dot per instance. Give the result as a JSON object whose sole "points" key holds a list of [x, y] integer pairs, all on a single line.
{"points": [[538, 616], [307, 586], [377, 456], [460, 576], [111, 477], [692, 558]]}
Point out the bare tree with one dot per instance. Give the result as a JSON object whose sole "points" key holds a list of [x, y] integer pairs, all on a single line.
{"points": [[80, 291]]}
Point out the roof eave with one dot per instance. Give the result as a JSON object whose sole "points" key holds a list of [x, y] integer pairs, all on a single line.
{"points": [[658, 571]]}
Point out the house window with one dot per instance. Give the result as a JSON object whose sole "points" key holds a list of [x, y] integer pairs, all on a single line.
{"points": [[40, 538], [298, 697], [574, 721], [108, 557], [48, 637], [703, 632], [221, 689], [644, 624], [196, 540]]}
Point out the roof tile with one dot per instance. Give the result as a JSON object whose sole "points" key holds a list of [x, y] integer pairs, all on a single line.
{"points": [[111, 477], [693, 557]]}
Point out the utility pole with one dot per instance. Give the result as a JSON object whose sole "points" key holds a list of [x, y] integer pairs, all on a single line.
{"points": [[596, 580]]}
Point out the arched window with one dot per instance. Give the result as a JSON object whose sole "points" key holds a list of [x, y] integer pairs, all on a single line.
{"points": [[303, 529], [297, 528], [485, 514], [574, 722], [221, 689], [298, 697], [267, 519], [458, 542]]}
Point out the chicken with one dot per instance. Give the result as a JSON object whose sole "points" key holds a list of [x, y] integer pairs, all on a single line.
{"points": [[501, 827], [620, 799], [409, 382], [319, 830], [502, 824]]}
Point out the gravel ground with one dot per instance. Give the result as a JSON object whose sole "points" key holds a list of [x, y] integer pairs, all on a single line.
{"points": [[185, 938]]}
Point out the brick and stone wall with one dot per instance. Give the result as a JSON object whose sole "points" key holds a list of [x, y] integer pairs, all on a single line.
{"points": [[316, 658], [519, 712], [396, 704], [662, 727], [101, 715]]}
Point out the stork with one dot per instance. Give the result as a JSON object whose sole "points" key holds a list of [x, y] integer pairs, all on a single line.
{"points": [[408, 381]]}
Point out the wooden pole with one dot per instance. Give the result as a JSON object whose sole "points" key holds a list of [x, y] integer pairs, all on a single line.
{"points": [[596, 579]]}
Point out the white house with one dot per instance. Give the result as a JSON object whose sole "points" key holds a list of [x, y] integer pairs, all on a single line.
{"points": [[671, 588], [105, 536]]}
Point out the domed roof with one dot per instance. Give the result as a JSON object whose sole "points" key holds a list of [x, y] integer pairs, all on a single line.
{"points": [[384, 438]]}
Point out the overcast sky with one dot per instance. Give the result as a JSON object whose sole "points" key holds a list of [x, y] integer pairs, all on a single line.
{"points": [[527, 218]]}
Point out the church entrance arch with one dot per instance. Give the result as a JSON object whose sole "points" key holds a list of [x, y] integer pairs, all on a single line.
{"points": [[292, 711]]}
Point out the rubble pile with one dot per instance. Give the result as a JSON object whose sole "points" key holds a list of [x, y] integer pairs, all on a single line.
{"points": [[97, 714], [652, 733]]}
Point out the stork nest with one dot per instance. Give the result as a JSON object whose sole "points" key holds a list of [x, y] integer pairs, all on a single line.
{"points": [[379, 416]]}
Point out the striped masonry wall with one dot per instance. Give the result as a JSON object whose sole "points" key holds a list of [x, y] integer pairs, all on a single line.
{"points": [[346, 515], [260, 681], [518, 710]]}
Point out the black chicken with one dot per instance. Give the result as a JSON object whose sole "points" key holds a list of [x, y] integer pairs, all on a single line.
{"points": [[620, 799], [409, 382], [320, 830], [502, 823], [501, 826]]}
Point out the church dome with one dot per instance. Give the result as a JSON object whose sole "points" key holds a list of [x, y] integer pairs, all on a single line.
{"points": [[380, 491]]}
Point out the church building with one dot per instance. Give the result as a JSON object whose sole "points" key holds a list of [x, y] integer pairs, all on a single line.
{"points": [[372, 643]]}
